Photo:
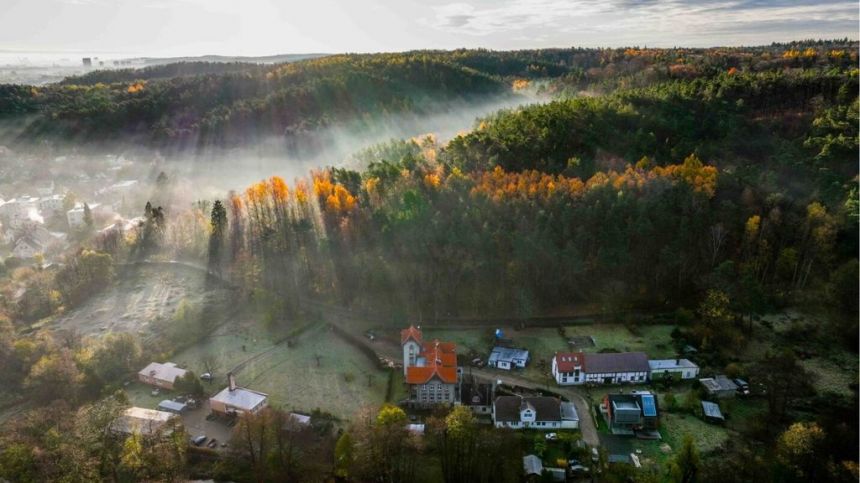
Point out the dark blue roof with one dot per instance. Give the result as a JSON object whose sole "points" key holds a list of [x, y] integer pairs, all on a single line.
{"points": [[649, 407]]}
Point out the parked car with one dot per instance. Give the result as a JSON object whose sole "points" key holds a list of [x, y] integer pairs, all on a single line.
{"points": [[595, 455], [206, 376], [198, 440], [551, 436], [212, 443], [578, 469]]}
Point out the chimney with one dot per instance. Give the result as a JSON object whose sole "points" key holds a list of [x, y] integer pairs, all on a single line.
{"points": [[231, 379]]}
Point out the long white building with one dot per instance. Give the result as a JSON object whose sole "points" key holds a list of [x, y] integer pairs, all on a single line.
{"points": [[571, 368]]}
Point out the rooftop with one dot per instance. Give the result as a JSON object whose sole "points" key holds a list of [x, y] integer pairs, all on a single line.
{"points": [[508, 354], [163, 372], [507, 408], [240, 398], [141, 420], [718, 383], [437, 359], [616, 362], [665, 364], [712, 410]]}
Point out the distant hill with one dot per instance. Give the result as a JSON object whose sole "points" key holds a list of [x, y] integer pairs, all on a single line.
{"points": [[222, 101]]}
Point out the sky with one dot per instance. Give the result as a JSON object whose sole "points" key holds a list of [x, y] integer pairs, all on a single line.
{"points": [[267, 27]]}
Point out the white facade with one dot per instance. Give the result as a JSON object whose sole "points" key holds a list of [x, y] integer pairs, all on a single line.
{"points": [[662, 367], [51, 205], [610, 368], [411, 349], [26, 249]]}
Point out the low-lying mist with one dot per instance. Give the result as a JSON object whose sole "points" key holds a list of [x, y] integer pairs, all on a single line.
{"points": [[221, 169]]}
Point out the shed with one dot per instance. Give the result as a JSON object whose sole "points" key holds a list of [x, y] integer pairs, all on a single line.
{"points": [[508, 358], [172, 406], [711, 412], [532, 465], [719, 386]]}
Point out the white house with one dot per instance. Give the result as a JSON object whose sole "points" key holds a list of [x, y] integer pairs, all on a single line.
{"points": [[51, 205], [665, 367], [27, 247], [545, 413], [570, 368], [507, 358]]}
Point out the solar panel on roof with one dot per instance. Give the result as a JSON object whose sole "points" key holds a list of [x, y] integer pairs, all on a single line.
{"points": [[649, 407]]}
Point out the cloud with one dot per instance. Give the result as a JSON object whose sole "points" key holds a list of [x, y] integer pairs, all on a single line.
{"points": [[647, 19]]}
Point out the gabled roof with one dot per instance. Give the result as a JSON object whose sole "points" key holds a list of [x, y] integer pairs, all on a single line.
{"points": [[163, 372], [567, 361], [412, 332], [507, 408], [439, 360], [508, 354], [616, 362]]}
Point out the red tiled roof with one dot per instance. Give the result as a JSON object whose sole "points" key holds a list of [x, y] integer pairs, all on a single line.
{"points": [[441, 362], [567, 361], [411, 333]]}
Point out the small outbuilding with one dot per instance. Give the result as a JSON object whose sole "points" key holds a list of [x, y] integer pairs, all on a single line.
{"points": [[172, 406], [719, 386], [711, 412], [507, 358], [532, 465], [681, 368]]}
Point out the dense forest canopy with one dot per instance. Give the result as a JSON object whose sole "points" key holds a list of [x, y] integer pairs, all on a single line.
{"points": [[199, 104]]}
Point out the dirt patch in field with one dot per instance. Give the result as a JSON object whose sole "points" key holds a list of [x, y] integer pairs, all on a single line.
{"points": [[140, 296]]}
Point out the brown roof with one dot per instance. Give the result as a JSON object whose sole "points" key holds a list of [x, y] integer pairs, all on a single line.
{"points": [[567, 361], [412, 332], [507, 408], [616, 362]]}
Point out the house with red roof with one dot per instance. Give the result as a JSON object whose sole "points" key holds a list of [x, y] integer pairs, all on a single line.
{"points": [[569, 368], [430, 369]]}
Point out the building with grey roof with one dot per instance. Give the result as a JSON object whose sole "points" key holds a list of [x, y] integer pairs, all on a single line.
{"points": [[684, 368], [711, 412], [545, 413], [719, 386], [234, 400], [570, 368], [160, 375], [508, 358]]}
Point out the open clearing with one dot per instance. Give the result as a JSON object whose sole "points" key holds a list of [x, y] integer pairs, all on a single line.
{"points": [[140, 296], [344, 380]]}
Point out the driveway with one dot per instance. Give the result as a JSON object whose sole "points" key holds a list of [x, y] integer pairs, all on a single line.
{"points": [[391, 350]]}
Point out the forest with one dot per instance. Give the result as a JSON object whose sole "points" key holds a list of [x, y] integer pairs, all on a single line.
{"points": [[707, 186]]}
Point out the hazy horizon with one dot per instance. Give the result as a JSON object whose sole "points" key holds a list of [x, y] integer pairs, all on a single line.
{"points": [[158, 28]]}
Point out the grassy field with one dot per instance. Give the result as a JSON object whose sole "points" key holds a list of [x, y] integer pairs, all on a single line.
{"points": [[341, 382]]}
